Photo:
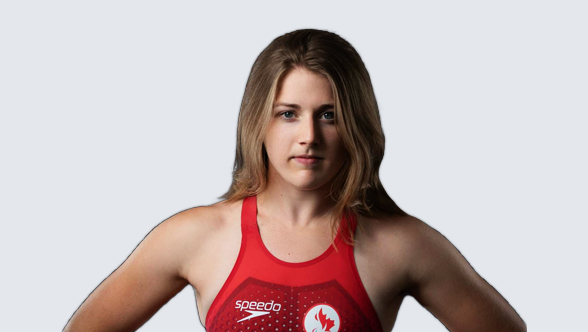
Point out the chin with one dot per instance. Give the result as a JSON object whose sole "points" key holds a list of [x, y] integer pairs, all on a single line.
{"points": [[303, 180], [308, 184]]}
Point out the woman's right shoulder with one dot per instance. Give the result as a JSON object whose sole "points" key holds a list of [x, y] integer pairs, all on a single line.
{"points": [[198, 231], [202, 235], [170, 256], [202, 222]]}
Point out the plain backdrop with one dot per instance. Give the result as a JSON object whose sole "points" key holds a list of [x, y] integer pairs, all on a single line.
{"points": [[115, 115]]}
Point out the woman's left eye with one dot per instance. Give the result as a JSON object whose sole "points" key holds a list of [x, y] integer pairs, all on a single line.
{"points": [[330, 115]]}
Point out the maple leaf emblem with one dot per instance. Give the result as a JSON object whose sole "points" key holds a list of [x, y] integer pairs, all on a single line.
{"points": [[326, 323]]}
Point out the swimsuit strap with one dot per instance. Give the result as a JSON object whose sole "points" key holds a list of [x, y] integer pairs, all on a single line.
{"points": [[249, 214]]}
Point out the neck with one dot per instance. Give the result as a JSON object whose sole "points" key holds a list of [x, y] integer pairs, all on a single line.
{"points": [[293, 207]]}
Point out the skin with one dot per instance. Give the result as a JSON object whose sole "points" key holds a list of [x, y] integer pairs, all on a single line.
{"points": [[395, 257]]}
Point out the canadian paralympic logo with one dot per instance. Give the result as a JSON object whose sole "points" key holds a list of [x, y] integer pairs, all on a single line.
{"points": [[321, 317]]}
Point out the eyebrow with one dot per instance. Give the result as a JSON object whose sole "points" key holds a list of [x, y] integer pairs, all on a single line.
{"points": [[296, 106]]}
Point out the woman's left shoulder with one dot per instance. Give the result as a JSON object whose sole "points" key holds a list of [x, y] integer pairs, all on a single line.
{"points": [[383, 250], [437, 275], [410, 236], [401, 243], [392, 232]]}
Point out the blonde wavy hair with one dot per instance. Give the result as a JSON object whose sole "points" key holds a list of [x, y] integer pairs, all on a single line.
{"points": [[356, 188]]}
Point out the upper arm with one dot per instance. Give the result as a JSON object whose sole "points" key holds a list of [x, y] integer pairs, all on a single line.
{"points": [[448, 287], [140, 286]]}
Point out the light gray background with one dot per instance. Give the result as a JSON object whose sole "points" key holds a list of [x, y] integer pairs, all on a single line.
{"points": [[118, 114]]}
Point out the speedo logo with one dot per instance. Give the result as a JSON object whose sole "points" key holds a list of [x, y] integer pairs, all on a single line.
{"points": [[257, 309]]}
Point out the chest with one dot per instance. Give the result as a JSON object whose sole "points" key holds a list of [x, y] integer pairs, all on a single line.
{"points": [[383, 285]]}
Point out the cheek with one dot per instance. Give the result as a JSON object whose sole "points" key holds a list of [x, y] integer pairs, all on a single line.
{"points": [[274, 146], [270, 140], [335, 142]]}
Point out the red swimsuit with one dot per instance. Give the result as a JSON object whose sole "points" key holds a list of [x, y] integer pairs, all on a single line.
{"points": [[264, 293]]}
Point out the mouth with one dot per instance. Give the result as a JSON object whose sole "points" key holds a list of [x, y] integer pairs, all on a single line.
{"points": [[308, 156], [307, 160]]}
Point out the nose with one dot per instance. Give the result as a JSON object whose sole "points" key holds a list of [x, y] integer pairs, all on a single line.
{"points": [[309, 132]]}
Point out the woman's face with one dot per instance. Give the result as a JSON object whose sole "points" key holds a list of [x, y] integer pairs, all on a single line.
{"points": [[302, 127]]}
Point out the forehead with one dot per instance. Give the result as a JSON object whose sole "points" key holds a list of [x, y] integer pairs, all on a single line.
{"points": [[302, 86]]}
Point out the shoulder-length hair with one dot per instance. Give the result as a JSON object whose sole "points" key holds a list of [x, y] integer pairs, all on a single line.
{"points": [[356, 188]]}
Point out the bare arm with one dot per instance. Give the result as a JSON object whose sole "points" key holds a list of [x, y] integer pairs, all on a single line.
{"points": [[446, 285], [138, 288]]}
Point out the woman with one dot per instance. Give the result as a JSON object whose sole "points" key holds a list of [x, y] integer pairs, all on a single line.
{"points": [[307, 239]]}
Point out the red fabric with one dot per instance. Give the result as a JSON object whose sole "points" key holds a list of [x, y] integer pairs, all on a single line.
{"points": [[264, 293]]}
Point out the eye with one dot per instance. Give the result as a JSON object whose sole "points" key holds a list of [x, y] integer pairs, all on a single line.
{"points": [[286, 116], [329, 115]]}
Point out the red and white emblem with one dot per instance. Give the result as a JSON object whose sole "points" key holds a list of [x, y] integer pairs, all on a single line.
{"points": [[321, 318]]}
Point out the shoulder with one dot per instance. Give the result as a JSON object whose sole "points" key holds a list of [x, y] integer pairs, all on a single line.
{"points": [[423, 254], [191, 233], [403, 243], [201, 221], [395, 232], [412, 258]]}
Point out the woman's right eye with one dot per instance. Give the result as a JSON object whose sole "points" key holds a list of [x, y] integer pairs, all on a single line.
{"points": [[285, 114]]}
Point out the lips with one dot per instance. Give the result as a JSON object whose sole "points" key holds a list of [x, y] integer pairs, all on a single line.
{"points": [[308, 156], [307, 160]]}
